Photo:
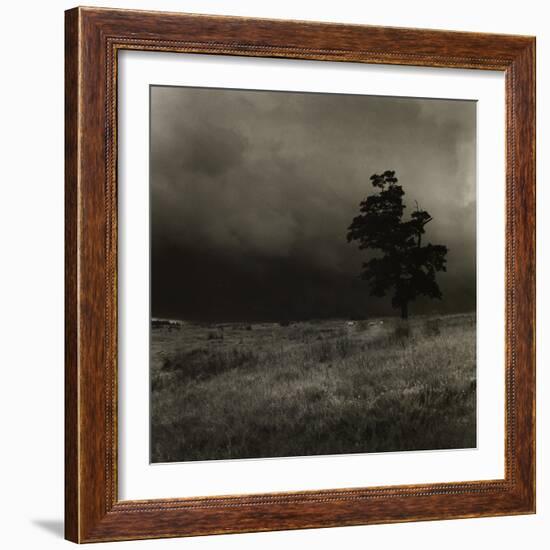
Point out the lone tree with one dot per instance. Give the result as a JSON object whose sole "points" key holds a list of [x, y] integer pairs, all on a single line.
{"points": [[404, 265]]}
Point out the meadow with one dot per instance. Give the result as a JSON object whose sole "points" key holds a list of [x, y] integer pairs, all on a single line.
{"points": [[238, 390]]}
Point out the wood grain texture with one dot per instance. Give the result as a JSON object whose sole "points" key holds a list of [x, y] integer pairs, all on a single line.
{"points": [[71, 270], [93, 38]]}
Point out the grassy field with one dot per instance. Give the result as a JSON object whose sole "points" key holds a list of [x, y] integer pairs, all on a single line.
{"points": [[319, 387]]}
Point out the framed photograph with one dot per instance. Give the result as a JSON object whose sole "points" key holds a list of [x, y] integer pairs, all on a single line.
{"points": [[300, 275]]}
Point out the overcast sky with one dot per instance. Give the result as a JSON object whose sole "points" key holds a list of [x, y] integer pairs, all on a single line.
{"points": [[252, 193]]}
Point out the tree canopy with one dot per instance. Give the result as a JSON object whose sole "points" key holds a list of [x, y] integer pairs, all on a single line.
{"points": [[403, 264]]}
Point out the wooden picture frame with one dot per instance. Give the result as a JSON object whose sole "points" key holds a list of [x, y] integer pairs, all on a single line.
{"points": [[93, 511]]}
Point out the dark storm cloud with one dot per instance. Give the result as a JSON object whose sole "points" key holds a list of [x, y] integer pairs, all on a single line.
{"points": [[252, 192]]}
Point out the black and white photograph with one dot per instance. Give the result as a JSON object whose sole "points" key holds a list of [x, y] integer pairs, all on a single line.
{"points": [[312, 274]]}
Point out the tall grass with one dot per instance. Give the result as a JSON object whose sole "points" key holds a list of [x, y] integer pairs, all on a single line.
{"points": [[315, 388]]}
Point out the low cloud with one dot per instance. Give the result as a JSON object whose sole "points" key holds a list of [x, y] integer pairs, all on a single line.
{"points": [[252, 193]]}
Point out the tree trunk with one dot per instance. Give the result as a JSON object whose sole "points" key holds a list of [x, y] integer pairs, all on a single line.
{"points": [[404, 310]]}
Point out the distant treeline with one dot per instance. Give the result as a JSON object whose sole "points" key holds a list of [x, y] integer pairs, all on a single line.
{"points": [[160, 323]]}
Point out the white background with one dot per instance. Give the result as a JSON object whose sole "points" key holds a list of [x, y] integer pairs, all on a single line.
{"points": [[31, 274]]}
